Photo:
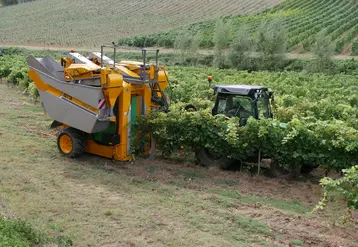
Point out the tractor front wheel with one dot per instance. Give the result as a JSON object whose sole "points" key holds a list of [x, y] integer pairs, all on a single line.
{"points": [[308, 168], [71, 142], [206, 159]]}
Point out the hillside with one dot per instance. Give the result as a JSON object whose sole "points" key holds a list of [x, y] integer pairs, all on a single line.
{"points": [[302, 19], [91, 22]]}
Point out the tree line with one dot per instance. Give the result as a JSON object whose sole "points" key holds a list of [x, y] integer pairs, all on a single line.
{"points": [[265, 50]]}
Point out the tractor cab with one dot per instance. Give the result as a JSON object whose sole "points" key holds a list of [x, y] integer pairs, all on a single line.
{"points": [[243, 101]]}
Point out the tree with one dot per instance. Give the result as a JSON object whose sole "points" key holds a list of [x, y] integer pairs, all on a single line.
{"points": [[221, 41], [182, 45], [194, 48], [322, 50], [271, 44], [240, 48]]}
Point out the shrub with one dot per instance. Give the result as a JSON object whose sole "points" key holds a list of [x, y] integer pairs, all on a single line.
{"points": [[322, 50], [271, 44], [339, 46], [240, 48], [221, 40], [346, 187]]}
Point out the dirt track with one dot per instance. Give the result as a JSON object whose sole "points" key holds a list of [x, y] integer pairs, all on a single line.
{"points": [[291, 55]]}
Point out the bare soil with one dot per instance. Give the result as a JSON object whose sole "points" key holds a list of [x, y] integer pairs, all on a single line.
{"points": [[311, 231]]}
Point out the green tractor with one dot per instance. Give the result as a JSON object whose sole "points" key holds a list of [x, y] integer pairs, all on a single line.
{"points": [[243, 101]]}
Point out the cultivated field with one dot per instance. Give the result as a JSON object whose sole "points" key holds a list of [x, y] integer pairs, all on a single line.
{"points": [[90, 23], [302, 20], [149, 203]]}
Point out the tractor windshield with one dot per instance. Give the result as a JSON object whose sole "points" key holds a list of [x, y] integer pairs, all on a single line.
{"points": [[263, 107], [234, 105]]}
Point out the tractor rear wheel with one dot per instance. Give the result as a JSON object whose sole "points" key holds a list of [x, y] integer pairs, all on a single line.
{"points": [[294, 172], [71, 142], [191, 107], [207, 159]]}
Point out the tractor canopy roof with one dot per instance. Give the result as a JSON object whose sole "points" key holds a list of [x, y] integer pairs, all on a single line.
{"points": [[238, 89]]}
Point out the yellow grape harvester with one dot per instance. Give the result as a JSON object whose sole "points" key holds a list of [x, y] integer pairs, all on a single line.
{"points": [[94, 101]]}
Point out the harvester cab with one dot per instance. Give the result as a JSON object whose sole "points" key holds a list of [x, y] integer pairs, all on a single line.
{"points": [[95, 102], [243, 101]]}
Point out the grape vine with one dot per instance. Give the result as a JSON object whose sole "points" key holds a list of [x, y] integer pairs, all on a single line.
{"points": [[320, 111]]}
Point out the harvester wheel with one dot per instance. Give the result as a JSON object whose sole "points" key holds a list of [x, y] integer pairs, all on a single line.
{"points": [[71, 142]]}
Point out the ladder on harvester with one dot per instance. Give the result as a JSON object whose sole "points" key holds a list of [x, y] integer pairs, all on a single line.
{"points": [[158, 95]]}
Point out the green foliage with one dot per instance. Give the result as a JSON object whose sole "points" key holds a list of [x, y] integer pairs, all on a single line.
{"points": [[9, 2], [182, 45], [187, 48], [32, 90], [346, 187], [221, 41], [323, 49], [110, 22], [13, 2], [320, 110], [318, 132], [14, 69], [332, 144], [271, 44], [240, 48], [302, 20], [339, 46], [355, 47], [194, 47], [297, 242], [297, 94], [19, 233]]}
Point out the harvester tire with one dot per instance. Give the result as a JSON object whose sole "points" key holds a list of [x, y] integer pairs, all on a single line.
{"points": [[71, 142]]}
